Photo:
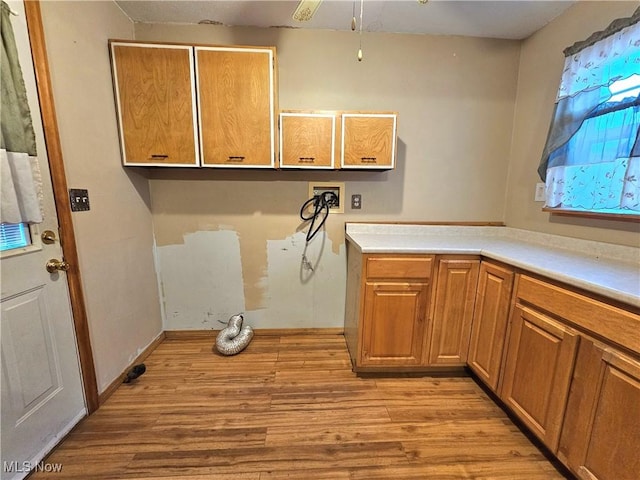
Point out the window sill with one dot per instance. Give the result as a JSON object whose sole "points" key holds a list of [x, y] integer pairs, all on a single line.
{"points": [[596, 215]]}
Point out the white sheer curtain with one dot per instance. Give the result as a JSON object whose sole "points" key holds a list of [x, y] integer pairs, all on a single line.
{"points": [[20, 188], [591, 158], [20, 180]]}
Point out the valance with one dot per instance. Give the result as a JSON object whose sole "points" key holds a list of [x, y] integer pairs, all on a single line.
{"points": [[590, 160], [21, 185]]}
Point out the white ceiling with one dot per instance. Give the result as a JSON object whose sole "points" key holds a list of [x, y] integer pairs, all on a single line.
{"points": [[513, 19]]}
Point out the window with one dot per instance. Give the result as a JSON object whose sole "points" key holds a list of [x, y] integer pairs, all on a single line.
{"points": [[14, 235], [591, 162]]}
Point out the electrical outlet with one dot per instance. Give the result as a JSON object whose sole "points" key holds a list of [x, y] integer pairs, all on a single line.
{"points": [[356, 201], [337, 188], [540, 192]]}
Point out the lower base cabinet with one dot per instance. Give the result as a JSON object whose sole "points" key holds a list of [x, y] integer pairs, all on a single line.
{"points": [[601, 433], [537, 372], [394, 323], [529, 339], [455, 291], [490, 319], [388, 299]]}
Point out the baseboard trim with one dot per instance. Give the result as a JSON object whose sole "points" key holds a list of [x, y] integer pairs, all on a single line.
{"points": [[259, 332], [270, 332], [113, 386]]}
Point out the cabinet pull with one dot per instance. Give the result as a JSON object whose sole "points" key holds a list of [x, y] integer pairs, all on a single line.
{"points": [[307, 159], [156, 156], [368, 159], [236, 159]]}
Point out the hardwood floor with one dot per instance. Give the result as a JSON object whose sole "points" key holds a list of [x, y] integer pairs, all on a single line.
{"points": [[289, 407]]}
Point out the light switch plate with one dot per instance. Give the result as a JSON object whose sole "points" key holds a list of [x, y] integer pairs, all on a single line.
{"points": [[79, 199], [540, 192]]}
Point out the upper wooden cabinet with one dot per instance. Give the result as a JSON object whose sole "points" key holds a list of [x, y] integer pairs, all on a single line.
{"points": [[455, 291], [323, 139], [164, 91], [155, 100], [368, 140], [307, 140], [490, 318], [236, 106]]}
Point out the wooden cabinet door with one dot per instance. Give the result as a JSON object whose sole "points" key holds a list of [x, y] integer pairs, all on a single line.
{"points": [[490, 318], [601, 433], [155, 99], [537, 372], [393, 324], [453, 311], [368, 140], [236, 106], [307, 140]]}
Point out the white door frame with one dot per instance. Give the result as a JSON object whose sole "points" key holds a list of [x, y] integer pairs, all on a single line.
{"points": [[59, 182]]}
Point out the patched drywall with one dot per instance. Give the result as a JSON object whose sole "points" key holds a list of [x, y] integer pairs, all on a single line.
{"points": [[305, 293], [202, 284], [199, 285]]}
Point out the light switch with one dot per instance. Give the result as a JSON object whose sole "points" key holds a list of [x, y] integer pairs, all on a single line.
{"points": [[79, 199]]}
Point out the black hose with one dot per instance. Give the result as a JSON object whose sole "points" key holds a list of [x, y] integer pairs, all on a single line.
{"points": [[321, 204]]}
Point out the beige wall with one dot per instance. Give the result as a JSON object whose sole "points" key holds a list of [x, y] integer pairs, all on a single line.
{"points": [[227, 241], [115, 239], [541, 64]]}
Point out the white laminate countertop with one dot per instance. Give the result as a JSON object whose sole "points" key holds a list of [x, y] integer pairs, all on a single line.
{"points": [[612, 271]]}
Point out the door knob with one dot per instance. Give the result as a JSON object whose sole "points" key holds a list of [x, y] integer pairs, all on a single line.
{"points": [[54, 265]]}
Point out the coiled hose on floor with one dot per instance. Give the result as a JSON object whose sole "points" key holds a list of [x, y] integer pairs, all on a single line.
{"points": [[235, 337]]}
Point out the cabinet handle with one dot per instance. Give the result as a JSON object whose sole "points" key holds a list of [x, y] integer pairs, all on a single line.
{"points": [[236, 159], [158, 156], [307, 159], [368, 159]]}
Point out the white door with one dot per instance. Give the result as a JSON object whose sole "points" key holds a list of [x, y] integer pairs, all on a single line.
{"points": [[42, 393]]}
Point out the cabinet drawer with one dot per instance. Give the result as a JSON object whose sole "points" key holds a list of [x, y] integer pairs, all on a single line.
{"points": [[609, 322], [399, 267]]}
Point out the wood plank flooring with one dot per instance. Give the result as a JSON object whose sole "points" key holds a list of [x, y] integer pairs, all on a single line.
{"points": [[289, 407]]}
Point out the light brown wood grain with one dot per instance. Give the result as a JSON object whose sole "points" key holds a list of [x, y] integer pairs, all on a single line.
{"points": [[394, 323], [490, 318], [155, 101], [453, 304], [601, 432], [291, 408], [537, 372], [368, 141], [307, 141], [236, 106], [606, 321], [401, 267]]}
